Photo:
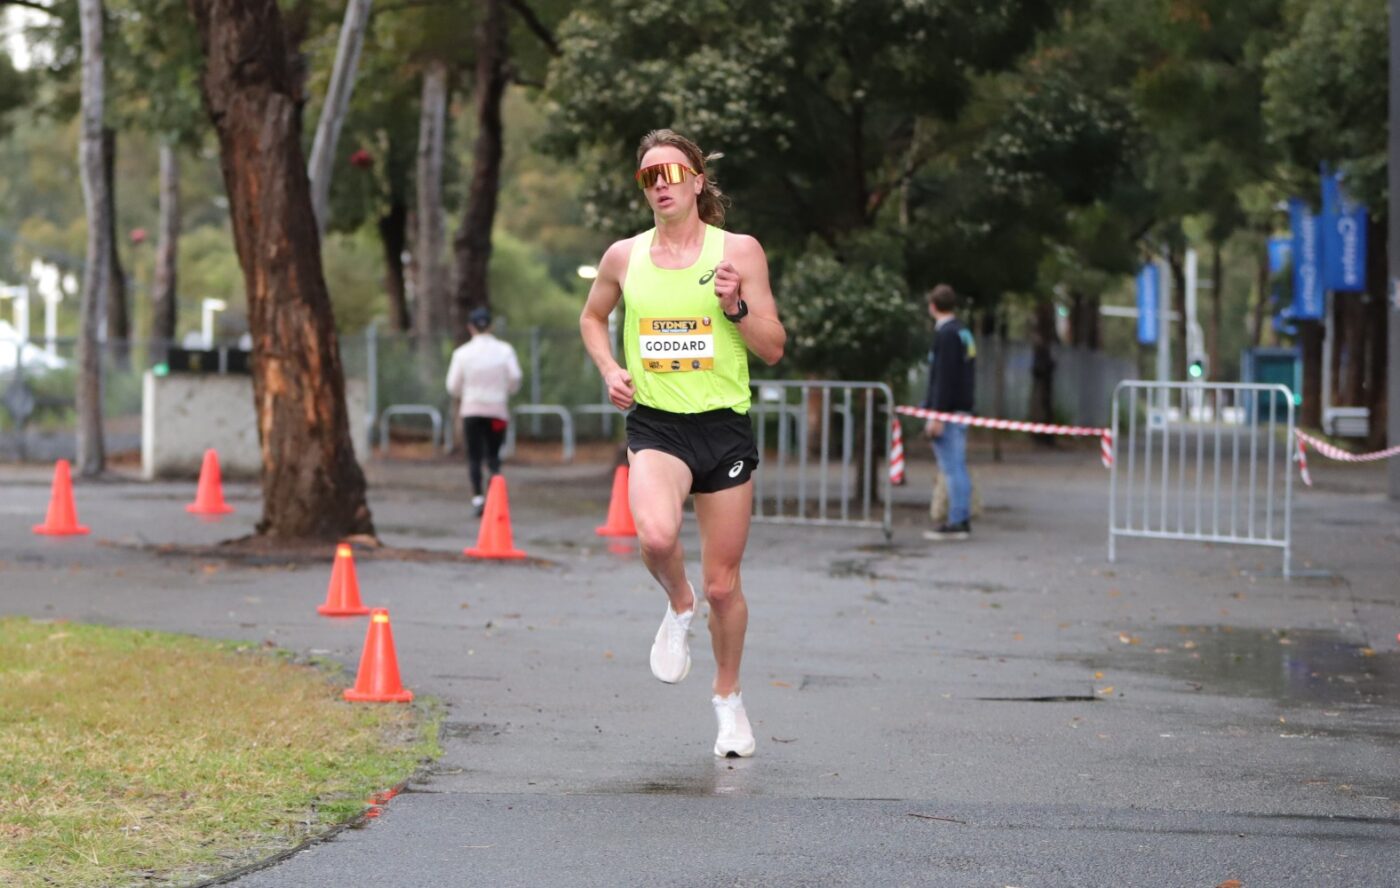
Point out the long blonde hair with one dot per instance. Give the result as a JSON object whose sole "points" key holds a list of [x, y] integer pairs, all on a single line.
{"points": [[712, 201]]}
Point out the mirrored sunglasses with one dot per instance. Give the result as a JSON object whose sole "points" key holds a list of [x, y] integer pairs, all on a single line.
{"points": [[673, 173]]}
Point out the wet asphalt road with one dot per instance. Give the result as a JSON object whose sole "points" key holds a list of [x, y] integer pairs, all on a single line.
{"points": [[1008, 711]]}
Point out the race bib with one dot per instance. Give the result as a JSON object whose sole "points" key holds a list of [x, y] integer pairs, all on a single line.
{"points": [[671, 345]]}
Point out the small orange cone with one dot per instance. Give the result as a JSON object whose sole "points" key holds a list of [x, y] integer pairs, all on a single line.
{"points": [[209, 500], [619, 523], [343, 594], [494, 540], [62, 519], [378, 678]]}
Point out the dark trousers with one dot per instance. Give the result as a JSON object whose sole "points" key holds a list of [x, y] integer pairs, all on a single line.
{"points": [[484, 436]]}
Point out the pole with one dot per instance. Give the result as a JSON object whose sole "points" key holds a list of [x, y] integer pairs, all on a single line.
{"points": [[1164, 324], [1392, 222]]}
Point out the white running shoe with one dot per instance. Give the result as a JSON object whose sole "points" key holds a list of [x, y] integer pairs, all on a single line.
{"points": [[670, 652], [735, 734]]}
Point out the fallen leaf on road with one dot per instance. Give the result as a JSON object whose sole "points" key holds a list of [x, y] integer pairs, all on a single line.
{"points": [[781, 684], [1018, 637], [1098, 675], [783, 739], [1107, 690], [607, 655], [1231, 883]]}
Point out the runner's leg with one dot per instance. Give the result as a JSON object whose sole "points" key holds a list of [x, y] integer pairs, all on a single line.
{"points": [[476, 446], [724, 532], [657, 488]]}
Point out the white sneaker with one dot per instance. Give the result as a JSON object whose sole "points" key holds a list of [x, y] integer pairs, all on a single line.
{"points": [[670, 652], [478, 504], [735, 734]]}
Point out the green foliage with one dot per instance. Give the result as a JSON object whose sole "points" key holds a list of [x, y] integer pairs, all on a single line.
{"points": [[813, 103], [1326, 93], [848, 322]]}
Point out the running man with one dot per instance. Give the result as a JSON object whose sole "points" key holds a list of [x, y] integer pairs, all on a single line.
{"points": [[697, 300]]}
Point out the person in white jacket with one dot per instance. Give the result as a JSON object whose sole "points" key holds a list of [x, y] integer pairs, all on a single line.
{"points": [[483, 375]]}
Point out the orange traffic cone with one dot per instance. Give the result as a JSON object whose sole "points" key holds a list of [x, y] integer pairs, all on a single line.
{"points": [[619, 523], [209, 499], [494, 541], [343, 594], [378, 678], [62, 519]]}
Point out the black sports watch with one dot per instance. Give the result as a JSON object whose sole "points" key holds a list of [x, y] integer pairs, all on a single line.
{"points": [[739, 315]]}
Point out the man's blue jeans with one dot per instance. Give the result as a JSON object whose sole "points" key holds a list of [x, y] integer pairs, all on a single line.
{"points": [[951, 450]]}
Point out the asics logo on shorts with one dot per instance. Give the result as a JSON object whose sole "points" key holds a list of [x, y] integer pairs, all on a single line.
{"points": [[707, 277], [738, 467]]}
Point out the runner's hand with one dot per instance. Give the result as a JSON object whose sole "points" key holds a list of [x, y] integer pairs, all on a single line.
{"points": [[620, 388], [727, 286], [933, 428]]}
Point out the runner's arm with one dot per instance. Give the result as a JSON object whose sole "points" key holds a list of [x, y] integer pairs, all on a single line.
{"points": [[761, 329], [603, 297]]}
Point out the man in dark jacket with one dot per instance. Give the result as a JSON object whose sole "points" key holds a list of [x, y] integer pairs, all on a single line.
{"points": [[951, 365]]}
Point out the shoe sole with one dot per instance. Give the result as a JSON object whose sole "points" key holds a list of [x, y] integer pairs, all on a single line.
{"points": [[944, 537], [733, 753]]}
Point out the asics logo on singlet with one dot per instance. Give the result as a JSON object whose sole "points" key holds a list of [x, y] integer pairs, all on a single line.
{"points": [[707, 277], [737, 468]]}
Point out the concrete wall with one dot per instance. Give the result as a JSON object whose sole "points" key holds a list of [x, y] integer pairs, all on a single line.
{"points": [[182, 415]]}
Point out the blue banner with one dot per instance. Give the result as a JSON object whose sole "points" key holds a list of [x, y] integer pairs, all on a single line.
{"points": [[1343, 237], [1147, 281], [1307, 261]]}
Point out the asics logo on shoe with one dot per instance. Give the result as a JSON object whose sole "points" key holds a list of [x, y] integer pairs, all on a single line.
{"points": [[707, 277], [738, 467]]}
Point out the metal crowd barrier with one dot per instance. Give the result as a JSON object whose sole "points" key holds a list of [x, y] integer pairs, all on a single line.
{"points": [[566, 427], [434, 415], [1203, 462], [795, 486]]}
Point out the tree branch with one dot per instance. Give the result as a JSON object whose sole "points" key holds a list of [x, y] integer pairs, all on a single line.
{"points": [[536, 27], [30, 4]]}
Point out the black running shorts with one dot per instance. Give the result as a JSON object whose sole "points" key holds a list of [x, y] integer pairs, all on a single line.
{"points": [[717, 445]]}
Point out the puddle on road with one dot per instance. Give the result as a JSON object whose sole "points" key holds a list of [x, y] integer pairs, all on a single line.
{"points": [[1293, 667], [725, 777]]}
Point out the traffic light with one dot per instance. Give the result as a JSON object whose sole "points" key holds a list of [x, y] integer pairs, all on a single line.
{"points": [[1197, 368]]}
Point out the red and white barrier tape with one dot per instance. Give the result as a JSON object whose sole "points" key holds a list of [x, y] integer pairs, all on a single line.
{"points": [[1331, 451], [1105, 436], [896, 452]]}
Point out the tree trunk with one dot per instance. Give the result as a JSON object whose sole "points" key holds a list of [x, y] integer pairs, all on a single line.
{"points": [[393, 234], [473, 247], [1353, 348], [347, 61], [118, 303], [91, 454], [1377, 332], [312, 486], [1043, 338], [1310, 338], [1176, 333], [1261, 302], [1217, 300], [1084, 320], [431, 311], [164, 287]]}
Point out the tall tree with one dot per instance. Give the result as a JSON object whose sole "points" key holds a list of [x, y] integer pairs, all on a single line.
{"points": [[432, 311], [118, 301], [1326, 101], [473, 246], [165, 282], [97, 271], [312, 485], [347, 63]]}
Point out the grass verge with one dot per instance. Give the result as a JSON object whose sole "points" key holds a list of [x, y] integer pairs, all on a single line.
{"points": [[132, 757]]}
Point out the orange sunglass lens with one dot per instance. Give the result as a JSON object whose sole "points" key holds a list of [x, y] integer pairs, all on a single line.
{"points": [[673, 173]]}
